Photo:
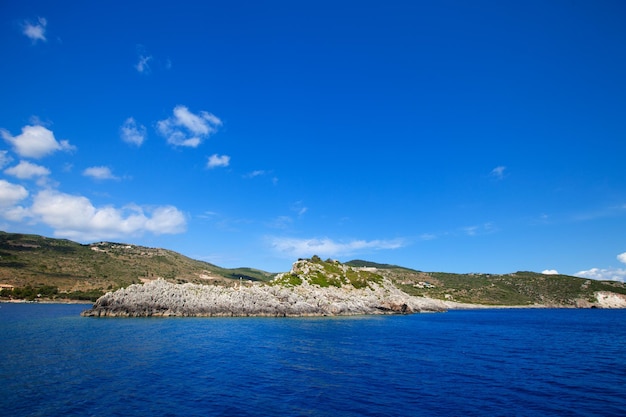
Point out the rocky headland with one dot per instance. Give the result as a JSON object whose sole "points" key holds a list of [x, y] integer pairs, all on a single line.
{"points": [[311, 288]]}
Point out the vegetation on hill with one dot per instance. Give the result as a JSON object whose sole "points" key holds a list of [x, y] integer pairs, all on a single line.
{"points": [[329, 273], [30, 264], [35, 267], [519, 288]]}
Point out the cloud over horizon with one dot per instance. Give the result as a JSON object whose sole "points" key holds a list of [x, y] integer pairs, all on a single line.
{"points": [[185, 128], [325, 247], [75, 217], [606, 274]]}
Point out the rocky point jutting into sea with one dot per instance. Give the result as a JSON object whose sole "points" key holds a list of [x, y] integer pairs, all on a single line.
{"points": [[309, 289]]}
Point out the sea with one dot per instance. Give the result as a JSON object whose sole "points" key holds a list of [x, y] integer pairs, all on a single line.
{"points": [[509, 362]]}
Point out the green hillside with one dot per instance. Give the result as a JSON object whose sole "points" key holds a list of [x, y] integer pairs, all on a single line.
{"points": [[34, 263], [34, 267], [519, 288]]}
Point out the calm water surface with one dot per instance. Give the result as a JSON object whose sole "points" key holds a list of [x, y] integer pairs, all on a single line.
{"points": [[462, 363]]}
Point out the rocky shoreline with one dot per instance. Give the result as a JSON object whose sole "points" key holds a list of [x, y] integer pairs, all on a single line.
{"points": [[160, 298], [311, 288]]}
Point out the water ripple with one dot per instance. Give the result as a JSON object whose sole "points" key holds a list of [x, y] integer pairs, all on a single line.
{"points": [[472, 363]]}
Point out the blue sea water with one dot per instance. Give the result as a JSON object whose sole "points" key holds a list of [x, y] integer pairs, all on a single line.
{"points": [[461, 363]]}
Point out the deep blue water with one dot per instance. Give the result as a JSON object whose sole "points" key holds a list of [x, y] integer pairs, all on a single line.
{"points": [[462, 363]]}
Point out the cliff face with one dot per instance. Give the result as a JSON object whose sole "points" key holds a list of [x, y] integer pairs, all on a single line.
{"points": [[309, 289]]}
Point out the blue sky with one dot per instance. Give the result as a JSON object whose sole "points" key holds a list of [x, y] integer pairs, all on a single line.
{"points": [[484, 136]]}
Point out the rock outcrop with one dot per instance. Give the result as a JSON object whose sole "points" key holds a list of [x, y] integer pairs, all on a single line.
{"points": [[277, 299], [607, 299]]}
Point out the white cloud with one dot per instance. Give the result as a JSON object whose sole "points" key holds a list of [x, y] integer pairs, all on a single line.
{"points": [[11, 194], [256, 173], [216, 160], [75, 217], [35, 142], [260, 173], [482, 229], [166, 220], [471, 230], [281, 222], [550, 272], [185, 128], [15, 213], [143, 65], [100, 173], [608, 274], [26, 170], [299, 248], [5, 159], [133, 132], [498, 172], [299, 208], [36, 31]]}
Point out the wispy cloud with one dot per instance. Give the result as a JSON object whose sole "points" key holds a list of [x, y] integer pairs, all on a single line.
{"points": [[428, 236], [132, 132], [36, 31], [298, 248], [480, 229], [5, 159], [207, 215], [35, 142], [299, 208], [606, 274], [550, 272], [216, 160], [614, 210], [143, 65], [100, 173], [256, 173], [261, 173], [143, 60], [281, 222], [27, 170], [498, 172], [185, 128]]}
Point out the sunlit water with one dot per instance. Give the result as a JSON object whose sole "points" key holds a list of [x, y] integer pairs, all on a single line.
{"points": [[462, 363]]}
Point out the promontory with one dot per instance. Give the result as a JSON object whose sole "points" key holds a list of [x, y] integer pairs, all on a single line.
{"points": [[312, 288]]}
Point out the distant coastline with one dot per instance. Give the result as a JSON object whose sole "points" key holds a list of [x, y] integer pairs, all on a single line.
{"points": [[47, 301], [48, 270]]}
